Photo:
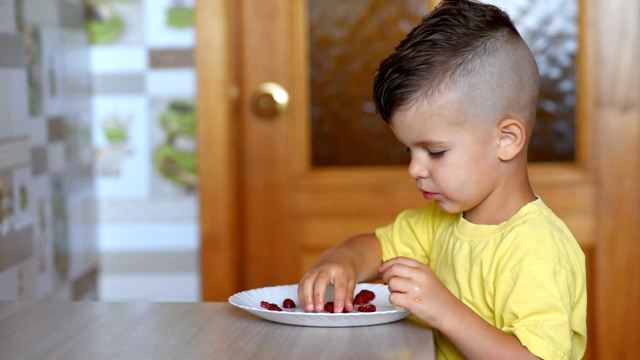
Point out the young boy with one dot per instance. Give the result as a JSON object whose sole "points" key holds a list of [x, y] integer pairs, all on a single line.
{"points": [[486, 263]]}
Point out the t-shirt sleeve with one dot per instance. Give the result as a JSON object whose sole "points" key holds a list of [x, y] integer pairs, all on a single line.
{"points": [[537, 304]]}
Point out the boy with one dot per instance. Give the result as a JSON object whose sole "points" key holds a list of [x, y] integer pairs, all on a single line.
{"points": [[486, 263]]}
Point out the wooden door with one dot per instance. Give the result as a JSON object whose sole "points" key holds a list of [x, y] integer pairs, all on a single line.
{"points": [[266, 213]]}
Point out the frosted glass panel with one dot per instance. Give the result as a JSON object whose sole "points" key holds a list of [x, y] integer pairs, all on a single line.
{"points": [[550, 28], [348, 39]]}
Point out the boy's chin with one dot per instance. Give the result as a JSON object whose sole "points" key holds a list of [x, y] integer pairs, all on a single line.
{"points": [[449, 207]]}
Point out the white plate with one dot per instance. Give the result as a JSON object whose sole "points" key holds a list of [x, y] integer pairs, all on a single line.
{"points": [[250, 301]]}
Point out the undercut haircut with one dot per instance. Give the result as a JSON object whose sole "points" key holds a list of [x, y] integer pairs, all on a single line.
{"points": [[459, 40]]}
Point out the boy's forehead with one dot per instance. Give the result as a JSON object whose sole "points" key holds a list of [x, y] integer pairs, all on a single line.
{"points": [[423, 121], [445, 105]]}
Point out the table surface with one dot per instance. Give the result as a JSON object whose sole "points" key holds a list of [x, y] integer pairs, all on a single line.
{"points": [[147, 330]]}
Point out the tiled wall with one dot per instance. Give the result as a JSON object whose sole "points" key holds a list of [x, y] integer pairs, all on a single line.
{"points": [[97, 150], [144, 136], [47, 208]]}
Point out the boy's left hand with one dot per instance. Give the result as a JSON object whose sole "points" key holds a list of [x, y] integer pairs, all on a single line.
{"points": [[415, 287]]}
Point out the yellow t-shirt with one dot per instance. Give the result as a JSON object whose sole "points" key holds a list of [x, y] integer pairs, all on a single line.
{"points": [[525, 276]]}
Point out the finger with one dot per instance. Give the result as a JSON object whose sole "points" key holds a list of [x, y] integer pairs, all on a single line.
{"points": [[343, 295], [351, 287], [400, 285], [397, 270], [319, 292], [339, 295], [397, 260], [305, 291]]}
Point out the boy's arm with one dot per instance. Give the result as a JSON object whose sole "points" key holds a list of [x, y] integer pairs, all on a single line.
{"points": [[415, 287], [352, 261], [477, 339]]}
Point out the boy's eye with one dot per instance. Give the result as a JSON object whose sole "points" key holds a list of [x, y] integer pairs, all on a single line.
{"points": [[436, 155], [432, 154]]}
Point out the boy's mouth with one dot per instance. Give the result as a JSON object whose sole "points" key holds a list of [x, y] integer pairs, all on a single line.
{"points": [[428, 195]]}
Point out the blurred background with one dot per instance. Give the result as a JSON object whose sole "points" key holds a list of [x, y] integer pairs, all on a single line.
{"points": [[143, 159], [97, 139]]}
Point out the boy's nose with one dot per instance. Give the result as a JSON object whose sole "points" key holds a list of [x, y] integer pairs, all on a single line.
{"points": [[417, 168]]}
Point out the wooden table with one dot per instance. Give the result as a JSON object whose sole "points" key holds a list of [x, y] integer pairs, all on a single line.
{"points": [[145, 330]]}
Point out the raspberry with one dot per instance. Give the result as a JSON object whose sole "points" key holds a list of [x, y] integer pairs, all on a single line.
{"points": [[288, 304], [368, 293], [361, 299], [329, 308], [269, 306], [367, 308], [364, 297]]}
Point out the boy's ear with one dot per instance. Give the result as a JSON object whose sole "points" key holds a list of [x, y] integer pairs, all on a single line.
{"points": [[512, 138]]}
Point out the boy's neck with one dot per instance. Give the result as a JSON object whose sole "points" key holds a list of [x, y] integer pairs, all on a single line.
{"points": [[504, 203]]}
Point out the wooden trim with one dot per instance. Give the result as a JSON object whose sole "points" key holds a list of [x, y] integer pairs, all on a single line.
{"points": [[265, 144], [299, 131], [616, 44], [566, 173], [589, 253], [586, 87], [219, 209]]}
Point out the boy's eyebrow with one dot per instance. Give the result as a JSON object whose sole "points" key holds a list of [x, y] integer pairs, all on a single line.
{"points": [[429, 142]]}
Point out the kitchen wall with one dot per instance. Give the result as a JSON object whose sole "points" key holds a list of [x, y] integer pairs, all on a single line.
{"points": [[144, 137], [98, 185], [48, 246]]}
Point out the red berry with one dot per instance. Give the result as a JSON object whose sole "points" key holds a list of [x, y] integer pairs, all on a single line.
{"points": [[361, 299], [328, 306], [367, 308], [364, 297], [370, 294], [269, 306], [288, 304]]}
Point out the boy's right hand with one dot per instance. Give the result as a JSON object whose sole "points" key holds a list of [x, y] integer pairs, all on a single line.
{"points": [[335, 267], [356, 259]]}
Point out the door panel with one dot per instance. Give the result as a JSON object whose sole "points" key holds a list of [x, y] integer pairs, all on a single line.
{"points": [[267, 213], [284, 192]]}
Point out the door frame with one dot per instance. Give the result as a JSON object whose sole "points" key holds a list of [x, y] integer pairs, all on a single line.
{"points": [[217, 134], [604, 178]]}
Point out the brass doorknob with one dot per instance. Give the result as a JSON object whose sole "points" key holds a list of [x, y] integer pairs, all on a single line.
{"points": [[270, 100]]}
